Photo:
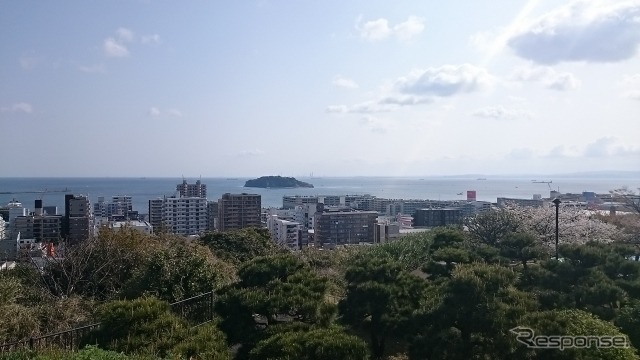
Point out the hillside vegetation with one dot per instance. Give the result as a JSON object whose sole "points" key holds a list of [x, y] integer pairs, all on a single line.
{"points": [[446, 294]]}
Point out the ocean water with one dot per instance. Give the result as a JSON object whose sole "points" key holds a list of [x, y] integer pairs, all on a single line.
{"points": [[52, 190]]}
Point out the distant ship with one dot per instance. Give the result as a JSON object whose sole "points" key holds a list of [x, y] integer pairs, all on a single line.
{"points": [[542, 182], [481, 179], [459, 193]]}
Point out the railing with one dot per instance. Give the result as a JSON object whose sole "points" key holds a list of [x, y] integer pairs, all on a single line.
{"points": [[196, 310]]}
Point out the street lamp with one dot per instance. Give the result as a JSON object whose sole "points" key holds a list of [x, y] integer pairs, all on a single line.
{"points": [[556, 202]]}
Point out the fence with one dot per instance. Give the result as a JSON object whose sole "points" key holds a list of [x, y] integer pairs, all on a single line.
{"points": [[196, 310]]}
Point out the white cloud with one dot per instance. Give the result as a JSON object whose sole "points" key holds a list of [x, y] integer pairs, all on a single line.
{"points": [[117, 45], [125, 35], [500, 112], [29, 62], [601, 147], [592, 31], [343, 82], [521, 154], [387, 103], [157, 113], [410, 28], [365, 107], [562, 82], [557, 152], [113, 48], [18, 107], [95, 68], [422, 87], [376, 30], [448, 107], [632, 94], [632, 79], [250, 153], [154, 112], [374, 124], [631, 85], [402, 100], [446, 80], [481, 41], [547, 76], [151, 39], [609, 146]]}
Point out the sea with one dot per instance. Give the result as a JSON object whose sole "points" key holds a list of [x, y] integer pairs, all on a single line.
{"points": [[142, 189]]}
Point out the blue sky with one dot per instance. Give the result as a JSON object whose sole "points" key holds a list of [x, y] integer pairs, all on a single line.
{"points": [[248, 88]]}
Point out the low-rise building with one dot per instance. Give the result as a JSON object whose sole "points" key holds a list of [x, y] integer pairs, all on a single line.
{"points": [[138, 225], [38, 225], [503, 201], [344, 227], [437, 217]]}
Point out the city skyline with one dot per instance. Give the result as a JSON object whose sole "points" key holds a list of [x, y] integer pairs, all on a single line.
{"points": [[363, 88]]}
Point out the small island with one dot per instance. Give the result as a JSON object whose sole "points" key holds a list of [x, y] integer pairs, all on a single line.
{"points": [[276, 182]]}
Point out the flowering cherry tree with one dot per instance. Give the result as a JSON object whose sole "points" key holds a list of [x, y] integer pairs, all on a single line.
{"points": [[575, 225]]}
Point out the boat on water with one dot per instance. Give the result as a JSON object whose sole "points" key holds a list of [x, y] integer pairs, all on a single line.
{"points": [[542, 182], [481, 179], [459, 193]]}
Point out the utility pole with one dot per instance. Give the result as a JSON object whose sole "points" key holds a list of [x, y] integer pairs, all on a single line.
{"points": [[557, 202]]}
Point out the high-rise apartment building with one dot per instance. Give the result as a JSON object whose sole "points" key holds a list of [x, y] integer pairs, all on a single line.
{"points": [[179, 215], [155, 214], [185, 215], [238, 211], [77, 216], [192, 190]]}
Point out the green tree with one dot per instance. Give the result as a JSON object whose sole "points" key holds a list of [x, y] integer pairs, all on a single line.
{"points": [[450, 247], [147, 326], [179, 271], [470, 314], [272, 290], [380, 298], [571, 323], [144, 325], [314, 344], [238, 246], [521, 247]]}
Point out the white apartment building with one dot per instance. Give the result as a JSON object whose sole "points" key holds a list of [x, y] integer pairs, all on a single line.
{"points": [[119, 205], [185, 215], [141, 226], [285, 233]]}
